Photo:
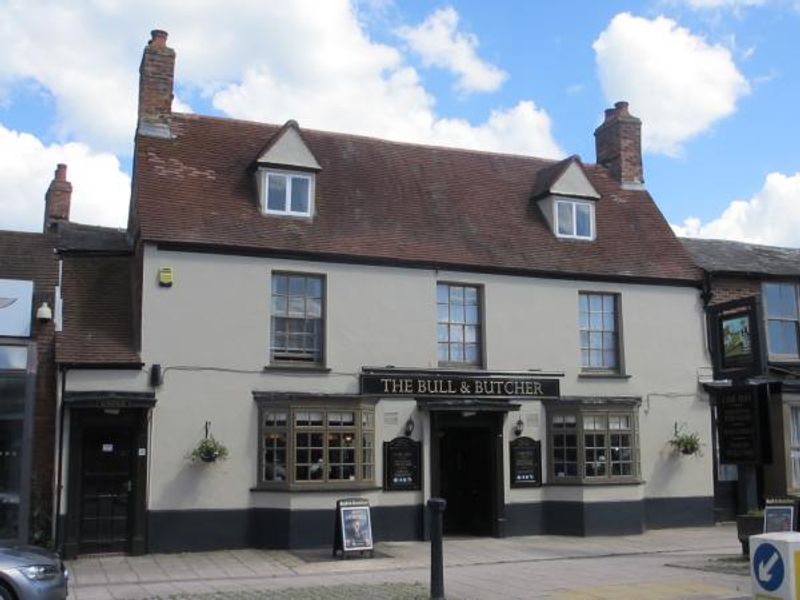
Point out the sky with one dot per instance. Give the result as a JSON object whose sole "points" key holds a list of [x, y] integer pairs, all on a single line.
{"points": [[715, 82]]}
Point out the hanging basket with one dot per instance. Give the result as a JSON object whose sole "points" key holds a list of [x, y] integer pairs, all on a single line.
{"points": [[209, 450]]}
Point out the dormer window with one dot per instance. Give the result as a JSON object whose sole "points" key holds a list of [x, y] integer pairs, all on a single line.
{"points": [[574, 219], [287, 193], [285, 174], [567, 200]]}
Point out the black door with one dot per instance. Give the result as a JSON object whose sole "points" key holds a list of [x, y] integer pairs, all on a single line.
{"points": [[466, 479], [106, 486]]}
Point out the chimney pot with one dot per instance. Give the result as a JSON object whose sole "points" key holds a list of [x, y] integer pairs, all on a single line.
{"points": [[61, 172], [618, 142], [158, 38]]}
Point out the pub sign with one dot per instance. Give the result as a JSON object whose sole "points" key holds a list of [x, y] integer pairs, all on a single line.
{"points": [[422, 384], [742, 419], [402, 465], [526, 462], [736, 339]]}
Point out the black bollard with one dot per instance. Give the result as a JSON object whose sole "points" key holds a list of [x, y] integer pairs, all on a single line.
{"points": [[437, 506]]}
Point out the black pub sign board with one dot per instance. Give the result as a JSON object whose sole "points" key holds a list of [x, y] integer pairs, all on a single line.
{"points": [[402, 465], [526, 462], [741, 419], [455, 385], [736, 339], [353, 527]]}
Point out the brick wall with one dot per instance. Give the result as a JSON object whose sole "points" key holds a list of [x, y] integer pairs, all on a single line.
{"points": [[733, 288]]}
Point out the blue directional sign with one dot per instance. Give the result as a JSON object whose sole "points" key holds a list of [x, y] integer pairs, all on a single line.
{"points": [[768, 567]]}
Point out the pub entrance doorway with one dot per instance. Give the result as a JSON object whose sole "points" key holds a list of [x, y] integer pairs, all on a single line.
{"points": [[467, 470]]}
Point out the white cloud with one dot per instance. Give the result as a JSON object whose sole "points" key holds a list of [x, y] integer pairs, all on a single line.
{"points": [[440, 44], [771, 216], [254, 60], [677, 83], [100, 189]]}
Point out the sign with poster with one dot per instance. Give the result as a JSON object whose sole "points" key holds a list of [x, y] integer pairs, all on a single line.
{"points": [[353, 527], [402, 465], [526, 462], [736, 340], [779, 515], [16, 307], [742, 415]]}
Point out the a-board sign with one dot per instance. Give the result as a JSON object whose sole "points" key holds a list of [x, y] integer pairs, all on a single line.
{"points": [[779, 517], [526, 462], [402, 464], [353, 527], [741, 418]]}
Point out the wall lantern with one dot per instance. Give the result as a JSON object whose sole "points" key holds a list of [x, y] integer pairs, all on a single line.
{"points": [[409, 427], [518, 427]]}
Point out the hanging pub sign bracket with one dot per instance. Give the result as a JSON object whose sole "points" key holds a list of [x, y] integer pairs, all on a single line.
{"points": [[352, 528]]}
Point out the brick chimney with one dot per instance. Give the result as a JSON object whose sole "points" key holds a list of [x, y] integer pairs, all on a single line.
{"points": [[156, 76], [618, 143], [57, 199]]}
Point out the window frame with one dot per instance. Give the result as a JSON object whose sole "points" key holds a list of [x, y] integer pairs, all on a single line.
{"points": [[288, 174], [279, 361], [774, 356], [792, 486], [619, 354], [580, 413], [574, 203], [480, 336], [293, 406]]}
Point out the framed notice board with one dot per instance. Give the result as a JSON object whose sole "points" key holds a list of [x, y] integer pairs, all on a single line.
{"points": [[353, 527], [526, 462], [402, 465]]}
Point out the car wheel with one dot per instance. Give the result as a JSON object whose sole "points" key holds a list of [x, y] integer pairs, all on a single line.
{"points": [[5, 593]]}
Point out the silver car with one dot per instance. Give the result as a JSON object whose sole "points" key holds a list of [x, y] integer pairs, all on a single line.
{"points": [[30, 573]]}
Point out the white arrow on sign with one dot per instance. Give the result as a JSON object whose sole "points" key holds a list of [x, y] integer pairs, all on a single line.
{"points": [[765, 568]]}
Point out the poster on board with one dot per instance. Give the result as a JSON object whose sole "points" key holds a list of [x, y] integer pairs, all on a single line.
{"points": [[353, 528]]}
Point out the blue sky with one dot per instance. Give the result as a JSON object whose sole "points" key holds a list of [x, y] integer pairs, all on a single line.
{"points": [[716, 83]]}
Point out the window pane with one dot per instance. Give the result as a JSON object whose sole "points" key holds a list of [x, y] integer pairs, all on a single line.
{"points": [[782, 337], [471, 334], [456, 352], [565, 225], [471, 296], [781, 300], [276, 193], [300, 194], [795, 425], [458, 305], [471, 353], [279, 284], [279, 305], [443, 353], [471, 314], [442, 333], [13, 357], [442, 313], [583, 220], [456, 333], [456, 313], [456, 295], [442, 293], [297, 285]]}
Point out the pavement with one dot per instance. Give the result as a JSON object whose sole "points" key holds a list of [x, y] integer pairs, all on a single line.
{"points": [[693, 563]]}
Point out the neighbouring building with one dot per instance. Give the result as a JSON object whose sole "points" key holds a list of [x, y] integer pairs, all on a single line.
{"points": [[735, 271], [352, 316]]}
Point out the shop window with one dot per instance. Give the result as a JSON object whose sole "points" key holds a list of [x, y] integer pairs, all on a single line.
{"points": [[598, 320], [780, 300], [794, 449], [589, 445], [15, 385], [297, 318], [458, 324], [306, 445]]}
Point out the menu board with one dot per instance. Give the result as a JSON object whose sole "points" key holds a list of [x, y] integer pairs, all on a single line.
{"points": [[526, 462], [738, 426], [402, 465], [353, 527]]}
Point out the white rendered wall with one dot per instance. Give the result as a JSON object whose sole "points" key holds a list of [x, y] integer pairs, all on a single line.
{"points": [[216, 316]]}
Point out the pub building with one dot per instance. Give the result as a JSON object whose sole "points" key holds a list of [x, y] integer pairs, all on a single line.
{"points": [[318, 316]]}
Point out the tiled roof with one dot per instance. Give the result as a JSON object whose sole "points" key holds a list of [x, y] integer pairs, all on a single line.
{"points": [[390, 201], [97, 311], [77, 237], [29, 256], [738, 257]]}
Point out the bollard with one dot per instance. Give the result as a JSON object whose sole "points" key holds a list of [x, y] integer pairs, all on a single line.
{"points": [[437, 506]]}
